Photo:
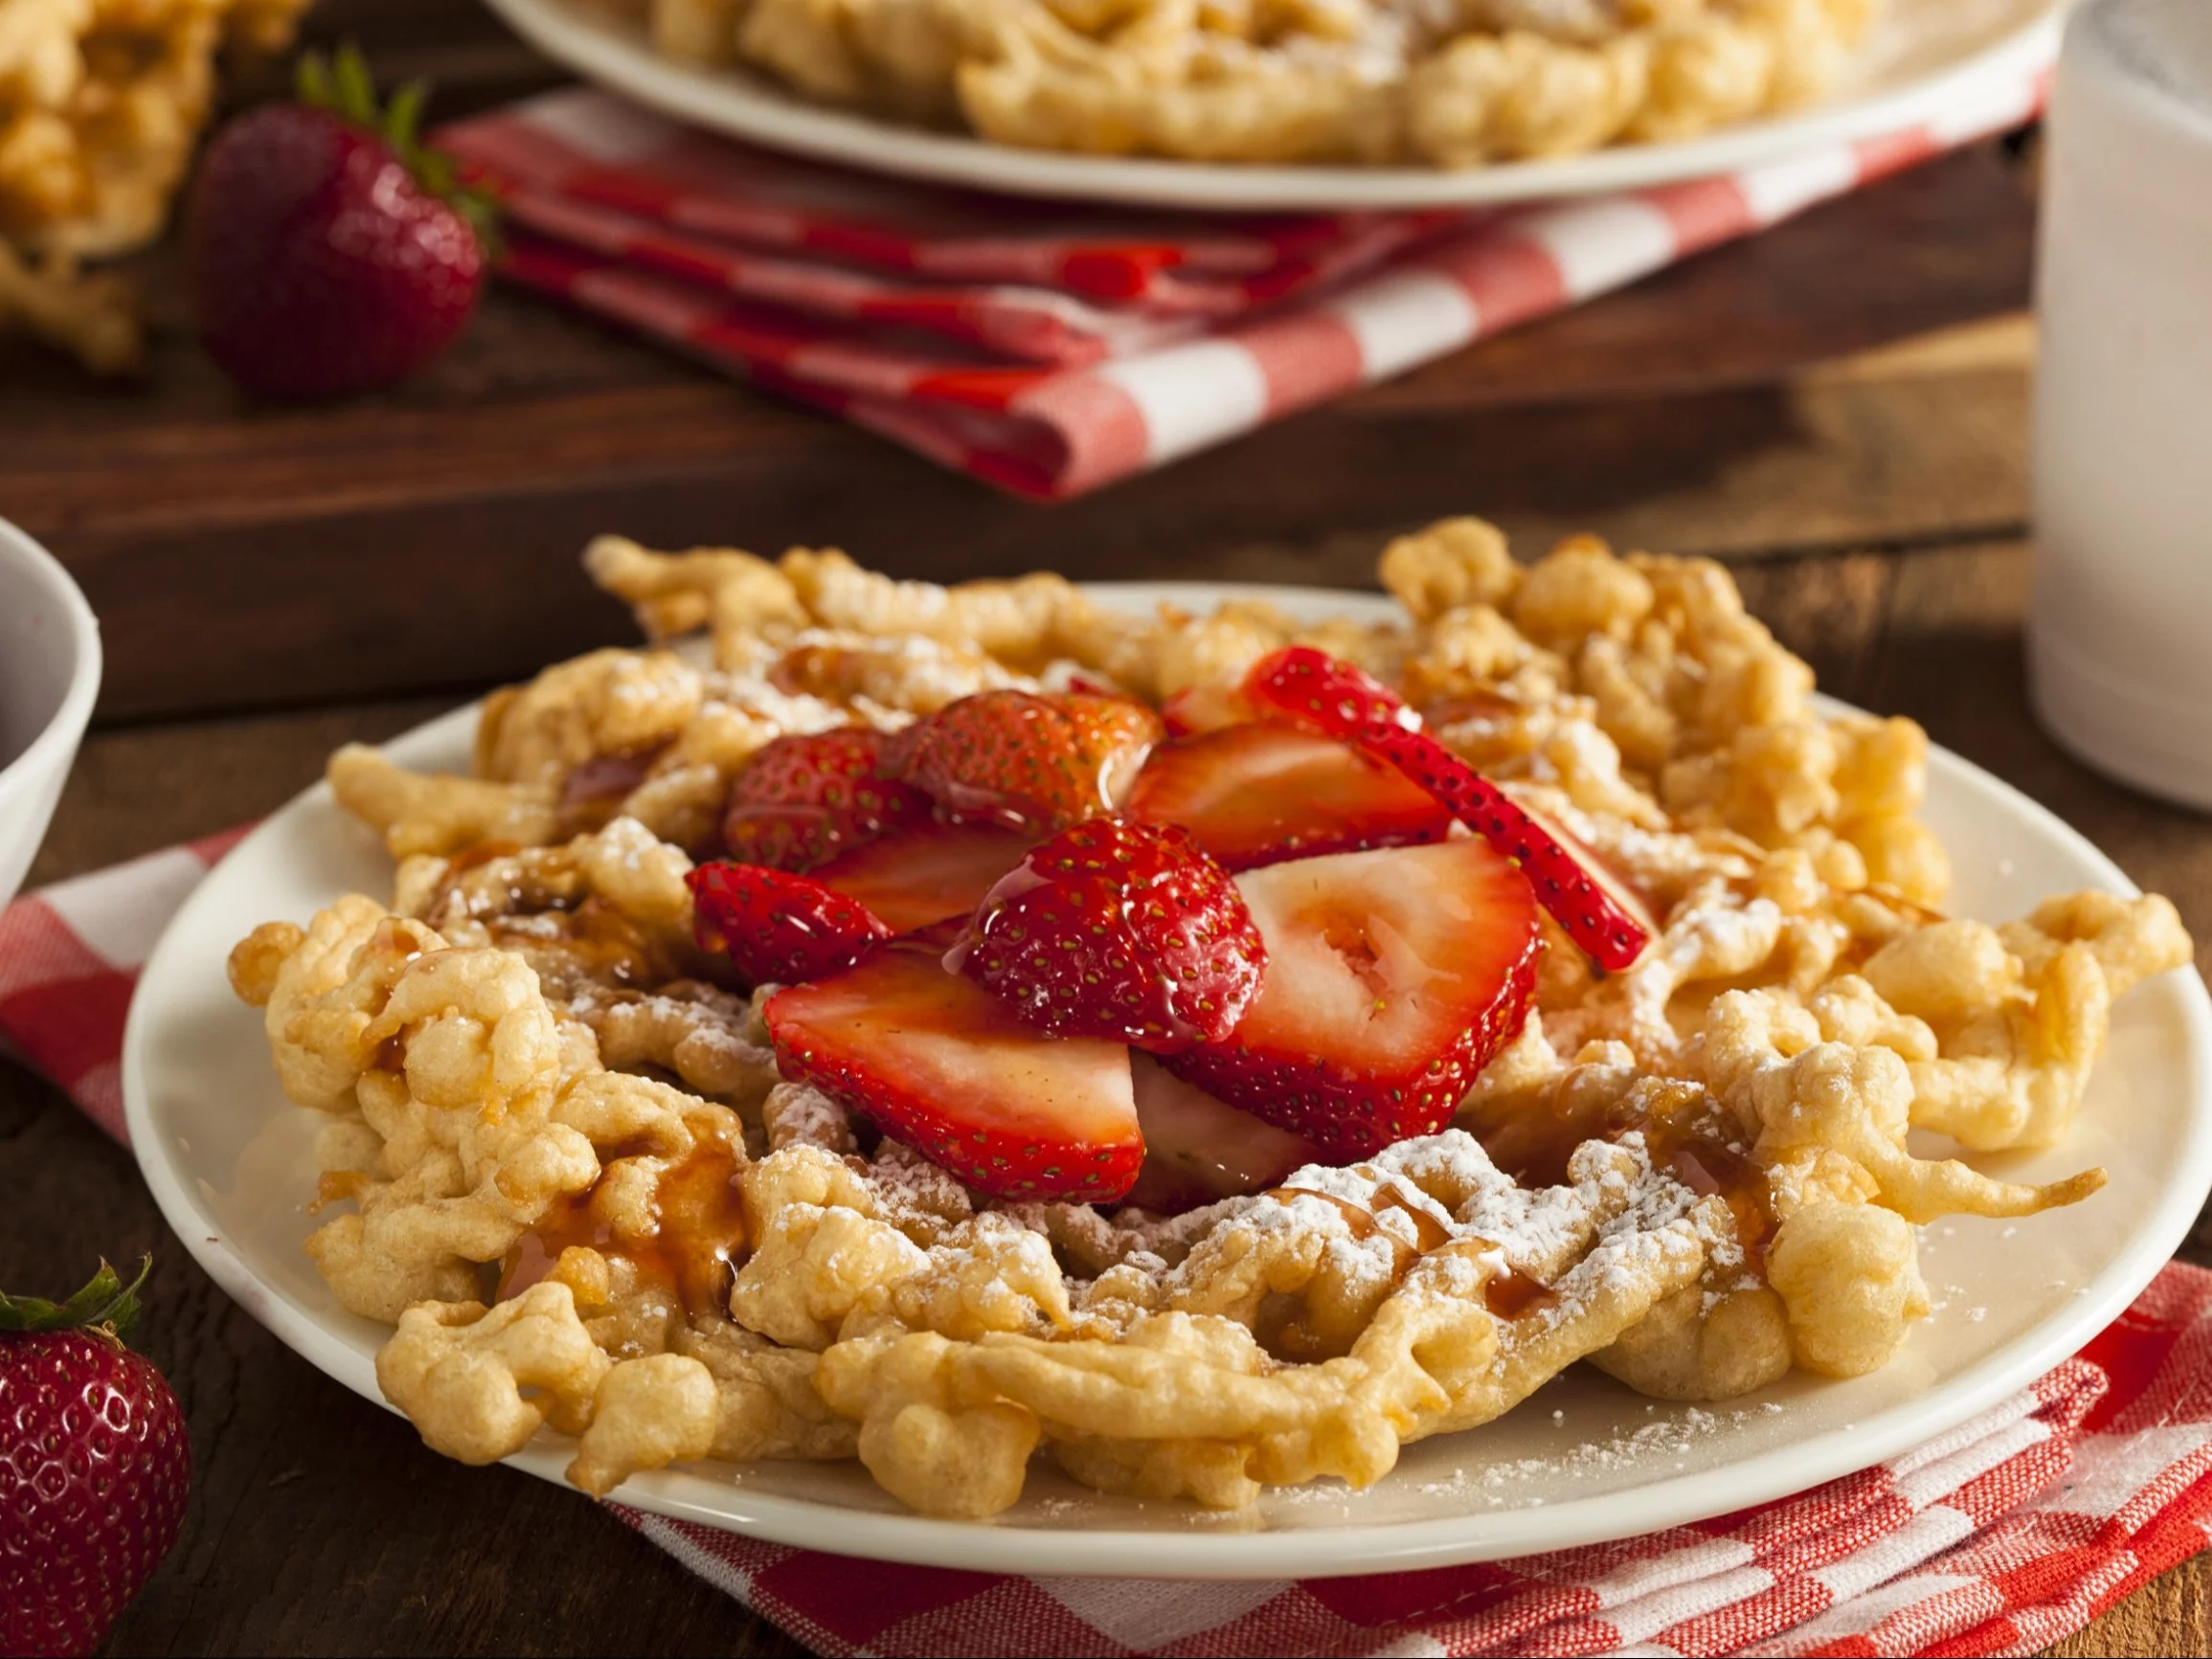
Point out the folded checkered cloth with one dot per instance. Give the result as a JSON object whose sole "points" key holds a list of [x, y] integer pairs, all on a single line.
{"points": [[1050, 349], [2001, 1536]]}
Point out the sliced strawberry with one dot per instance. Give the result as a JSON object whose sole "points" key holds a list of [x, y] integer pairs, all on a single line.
{"points": [[1259, 793], [1026, 762], [1302, 684], [1622, 888], [1118, 929], [943, 1065], [1392, 976], [1198, 1149], [925, 872], [776, 928], [799, 800], [1207, 706]]}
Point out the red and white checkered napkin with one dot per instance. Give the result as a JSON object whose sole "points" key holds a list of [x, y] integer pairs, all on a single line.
{"points": [[2001, 1536], [1050, 349]]}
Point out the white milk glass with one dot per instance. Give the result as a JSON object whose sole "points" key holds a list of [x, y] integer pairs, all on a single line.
{"points": [[2120, 629]]}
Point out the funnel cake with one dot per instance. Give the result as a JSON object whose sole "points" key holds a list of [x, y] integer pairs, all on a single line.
{"points": [[1376, 82], [574, 1171]]}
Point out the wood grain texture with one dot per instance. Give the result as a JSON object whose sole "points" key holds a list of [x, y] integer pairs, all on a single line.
{"points": [[318, 1524], [2171, 1615]]}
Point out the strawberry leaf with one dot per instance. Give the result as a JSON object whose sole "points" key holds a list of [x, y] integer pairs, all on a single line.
{"points": [[311, 81], [104, 1301], [403, 118], [345, 86], [356, 88]]}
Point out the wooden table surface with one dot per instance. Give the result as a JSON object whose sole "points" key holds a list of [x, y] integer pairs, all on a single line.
{"points": [[1837, 408]]}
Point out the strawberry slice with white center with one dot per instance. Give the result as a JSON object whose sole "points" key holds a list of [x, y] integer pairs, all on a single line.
{"points": [[1313, 688], [1198, 1149], [938, 1062], [924, 872], [1257, 794], [1392, 976]]}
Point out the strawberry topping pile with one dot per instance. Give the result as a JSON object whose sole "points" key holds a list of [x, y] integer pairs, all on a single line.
{"points": [[1198, 1148], [926, 873], [1258, 793], [1067, 956], [1392, 978]]}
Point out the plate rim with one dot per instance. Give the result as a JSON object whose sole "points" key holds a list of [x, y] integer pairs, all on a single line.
{"points": [[732, 100], [1320, 1552]]}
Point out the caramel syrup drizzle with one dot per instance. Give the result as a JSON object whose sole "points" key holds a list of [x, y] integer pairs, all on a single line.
{"points": [[1706, 1167], [1683, 1136], [479, 854], [1507, 1295], [701, 1231]]}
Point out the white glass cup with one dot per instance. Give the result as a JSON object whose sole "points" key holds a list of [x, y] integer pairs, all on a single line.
{"points": [[2120, 626]]}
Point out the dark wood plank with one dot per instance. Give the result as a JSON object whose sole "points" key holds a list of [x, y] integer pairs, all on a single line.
{"points": [[461, 46], [225, 594], [137, 789]]}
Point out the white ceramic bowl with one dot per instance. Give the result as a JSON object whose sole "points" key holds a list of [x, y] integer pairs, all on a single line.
{"points": [[49, 675]]}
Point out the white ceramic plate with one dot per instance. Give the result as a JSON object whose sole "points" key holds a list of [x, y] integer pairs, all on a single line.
{"points": [[1924, 61], [1585, 1461]]}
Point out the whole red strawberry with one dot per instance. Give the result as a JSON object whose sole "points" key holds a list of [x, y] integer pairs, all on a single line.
{"points": [[94, 1464], [1119, 929], [330, 251]]}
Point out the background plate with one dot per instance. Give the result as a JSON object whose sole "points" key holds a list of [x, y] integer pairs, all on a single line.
{"points": [[1925, 58], [1585, 1461]]}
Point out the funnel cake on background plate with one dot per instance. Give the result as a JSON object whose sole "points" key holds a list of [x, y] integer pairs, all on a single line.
{"points": [[101, 103], [599, 1175], [1451, 84]]}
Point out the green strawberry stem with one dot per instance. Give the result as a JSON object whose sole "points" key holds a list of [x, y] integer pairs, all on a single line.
{"points": [[344, 85], [107, 1304]]}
